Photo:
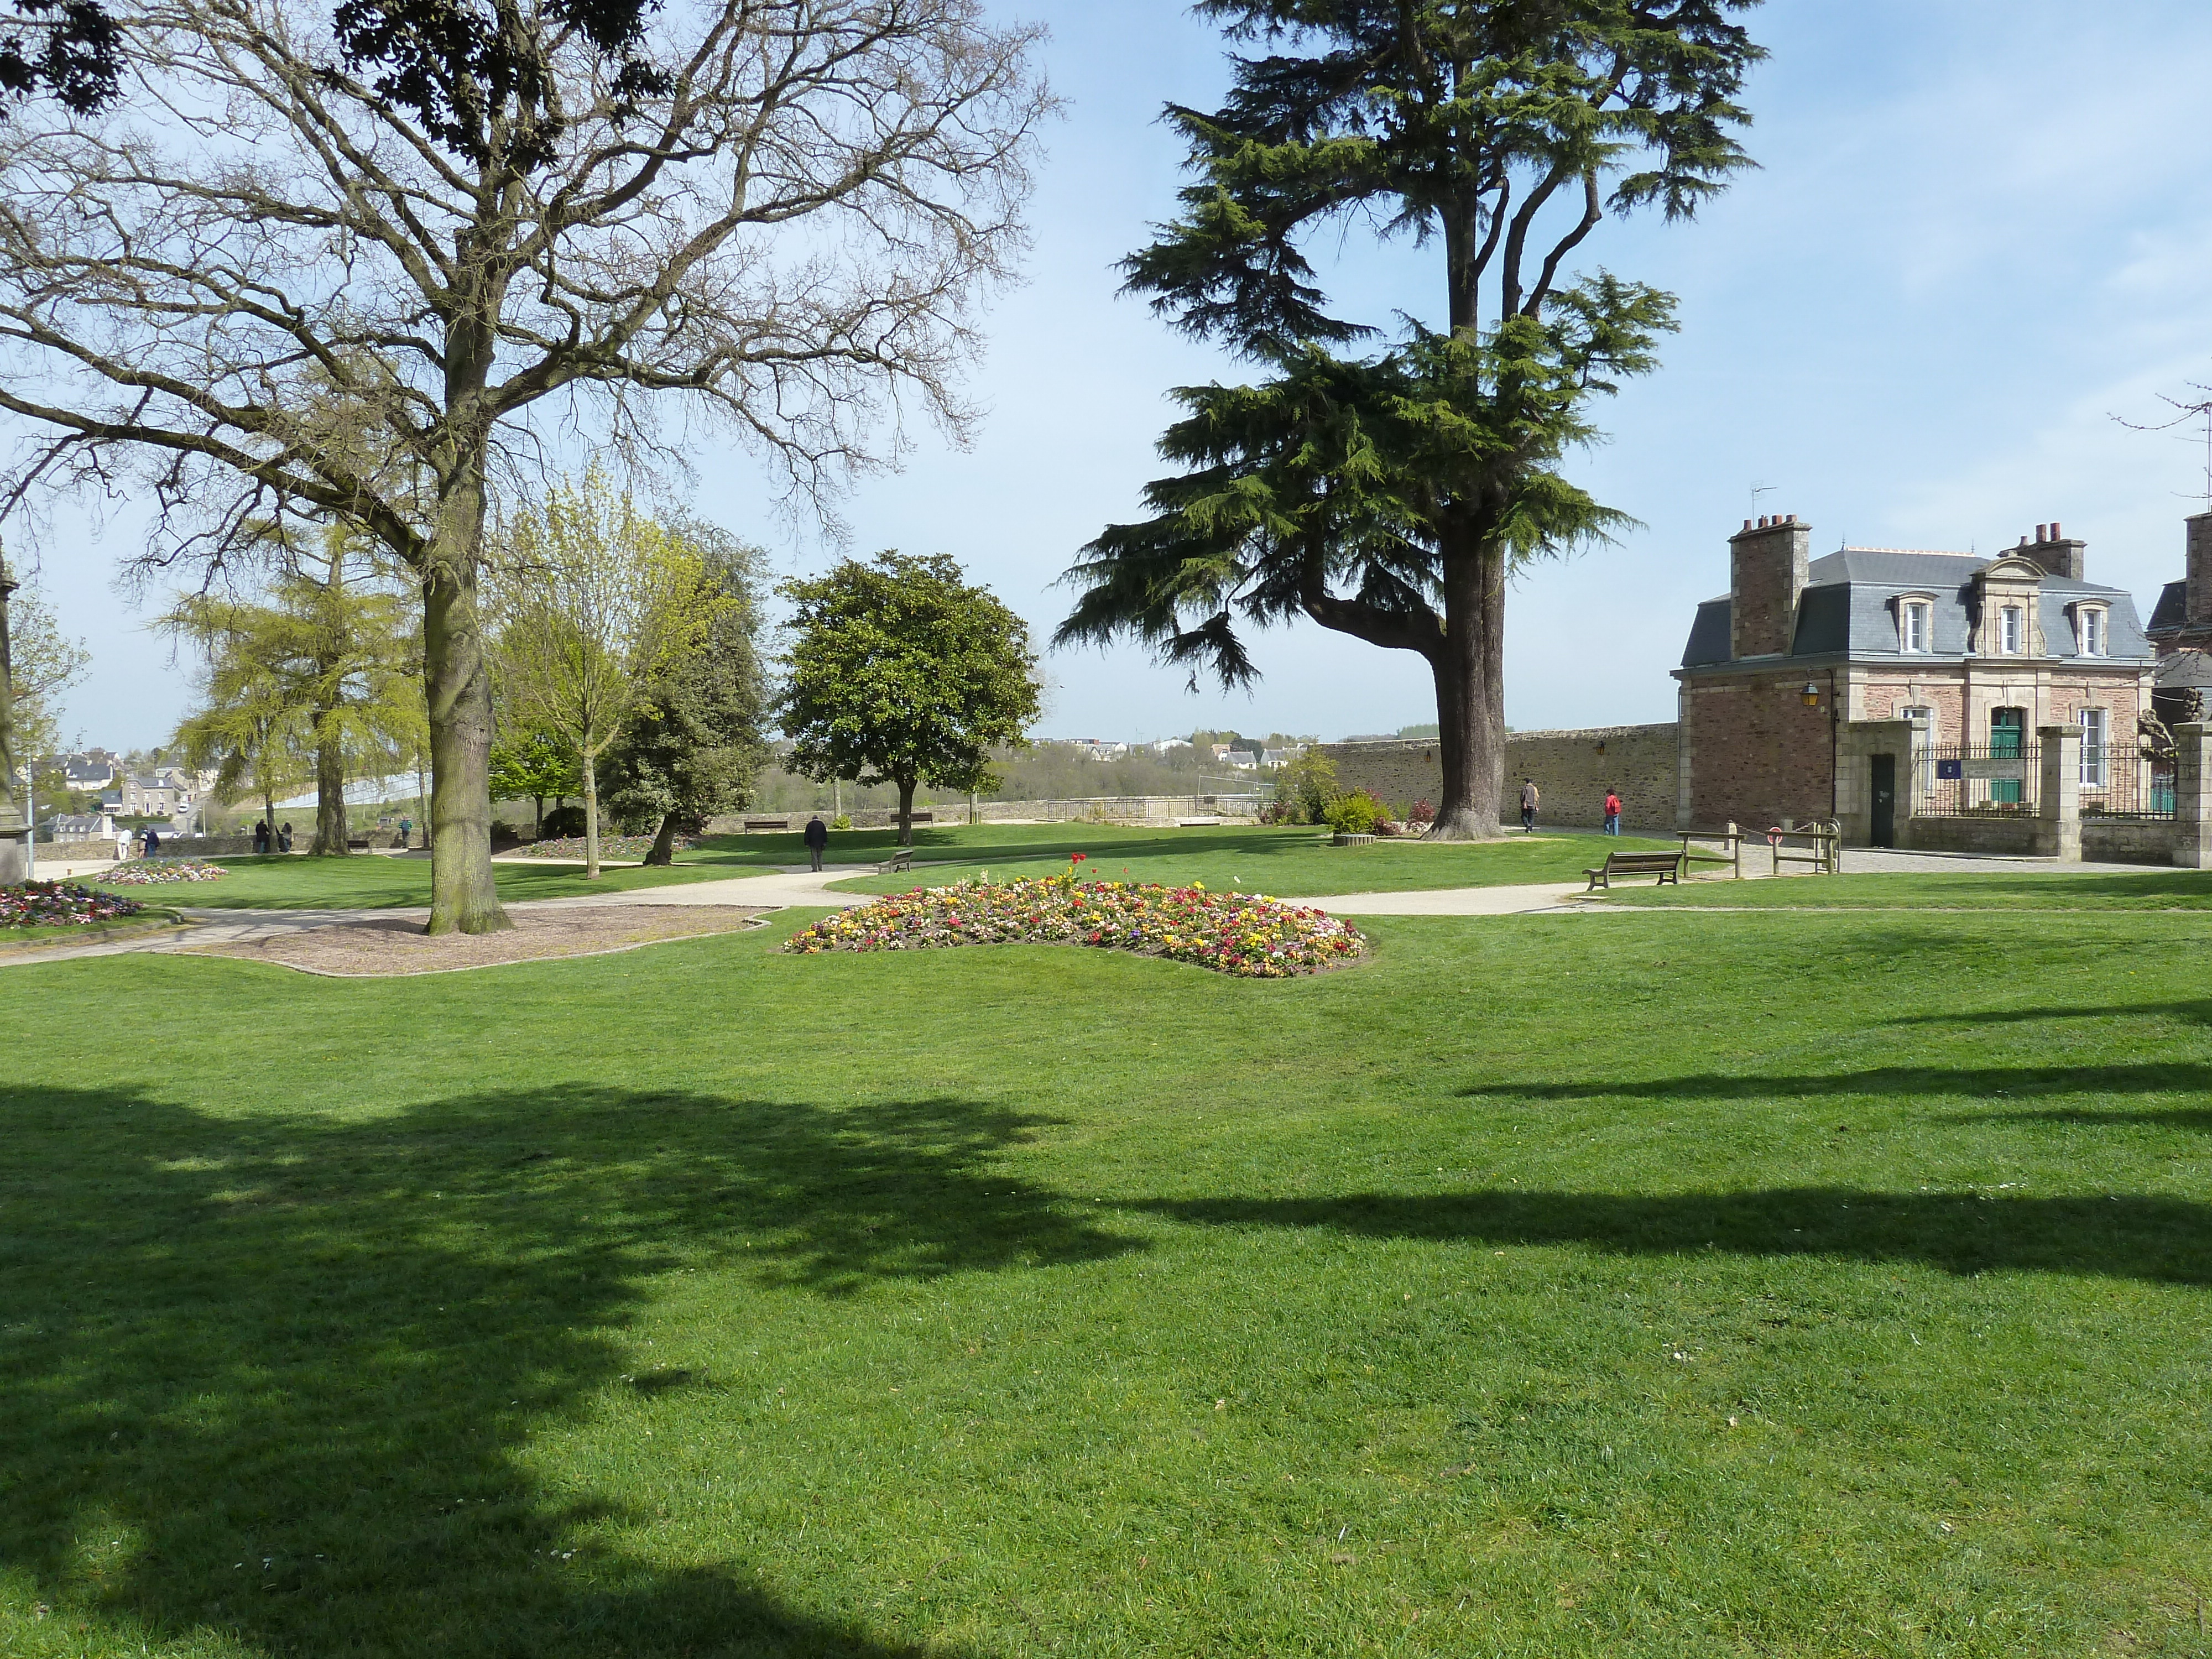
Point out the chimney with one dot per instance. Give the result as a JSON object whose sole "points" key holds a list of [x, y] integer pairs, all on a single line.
{"points": [[2199, 611], [2058, 555], [1766, 576]]}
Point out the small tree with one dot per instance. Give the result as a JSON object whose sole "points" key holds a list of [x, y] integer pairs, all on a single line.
{"points": [[596, 602], [43, 663], [535, 767], [903, 673], [250, 728], [694, 748], [1305, 787], [329, 666]]}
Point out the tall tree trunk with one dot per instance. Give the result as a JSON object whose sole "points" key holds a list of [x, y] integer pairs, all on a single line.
{"points": [[463, 899], [269, 813], [330, 825], [591, 818], [664, 843], [906, 812], [1470, 678], [538, 833]]}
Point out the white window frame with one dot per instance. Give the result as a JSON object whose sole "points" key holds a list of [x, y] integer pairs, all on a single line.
{"points": [[2092, 630], [2012, 630], [1912, 613], [2096, 726]]}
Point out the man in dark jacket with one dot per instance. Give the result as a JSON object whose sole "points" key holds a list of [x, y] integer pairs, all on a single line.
{"points": [[817, 837]]}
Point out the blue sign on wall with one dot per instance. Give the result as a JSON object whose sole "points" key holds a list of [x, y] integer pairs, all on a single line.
{"points": [[1950, 768]]}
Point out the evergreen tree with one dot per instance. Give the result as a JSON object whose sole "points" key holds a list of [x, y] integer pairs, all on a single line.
{"points": [[694, 748], [1391, 495]]}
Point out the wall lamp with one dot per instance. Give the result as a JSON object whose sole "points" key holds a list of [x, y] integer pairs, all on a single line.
{"points": [[1811, 695]]}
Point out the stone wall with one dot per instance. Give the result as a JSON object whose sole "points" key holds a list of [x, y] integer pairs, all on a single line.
{"points": [[1572, 770], [2129, 840], [1998, 837]]}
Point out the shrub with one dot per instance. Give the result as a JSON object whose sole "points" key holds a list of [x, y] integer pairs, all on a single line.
{"points": [[842, 821], [563, 823], [1355, 814], [1420, 815], [1305, 788]]}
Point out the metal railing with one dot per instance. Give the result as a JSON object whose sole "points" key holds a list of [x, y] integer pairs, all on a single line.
{"points": [[2117, 785], [1979, 781]]}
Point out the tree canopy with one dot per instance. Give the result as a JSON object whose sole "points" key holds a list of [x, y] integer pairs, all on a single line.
{"points": [[1390, 491], [900, 671], [341, 265]]}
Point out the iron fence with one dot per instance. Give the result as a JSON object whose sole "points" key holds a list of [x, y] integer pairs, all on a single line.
{"points": [[2124, 786], [1979, 781]]}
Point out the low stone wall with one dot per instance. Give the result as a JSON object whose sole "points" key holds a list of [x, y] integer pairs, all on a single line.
{"points": [[2002, 837], [1572, 770], [2129, 840]]}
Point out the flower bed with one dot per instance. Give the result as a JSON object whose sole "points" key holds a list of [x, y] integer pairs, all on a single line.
{"points": [[61, 904], [611, 847], [158, 873], [1242, 933]]}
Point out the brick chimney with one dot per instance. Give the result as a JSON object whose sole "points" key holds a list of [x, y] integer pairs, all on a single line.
{"points": [[2200, 569], [1766, 575], [2058, 553]]}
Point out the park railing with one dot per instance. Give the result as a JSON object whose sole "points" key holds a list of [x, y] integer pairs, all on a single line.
{"points": [[1979, 781], [2115, 785]]}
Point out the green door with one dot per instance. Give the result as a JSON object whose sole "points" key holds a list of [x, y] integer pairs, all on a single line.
{"points": [[2008, 741]]}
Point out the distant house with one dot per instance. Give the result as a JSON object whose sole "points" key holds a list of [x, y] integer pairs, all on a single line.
{"points": [[1099, 750], [1169, 745], [1275, 757], [1985, 651], [78, 826], [92, 769]]}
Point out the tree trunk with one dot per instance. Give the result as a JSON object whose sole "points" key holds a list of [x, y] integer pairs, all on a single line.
{"points": [[330, 825], [591, 818], [664, 844], [463, 899], [538, 832], [269, 814], [906, 812], [1470, 678]]}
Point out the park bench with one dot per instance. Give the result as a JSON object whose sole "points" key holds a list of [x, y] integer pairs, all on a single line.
{"points": [[1668, 866], [901, 859], [1196, 823], [768, 823]]}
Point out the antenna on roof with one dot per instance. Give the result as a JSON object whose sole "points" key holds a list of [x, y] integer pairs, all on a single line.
{"points": [[1757, 490]]}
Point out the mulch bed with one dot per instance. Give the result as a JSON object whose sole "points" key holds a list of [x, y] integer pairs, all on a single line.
{"points": [[379, 947]]}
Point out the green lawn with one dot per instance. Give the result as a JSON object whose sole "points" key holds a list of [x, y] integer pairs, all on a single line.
{"points": [[373, 882], [1285, 861], [1543, 1287], [2149, 890]]}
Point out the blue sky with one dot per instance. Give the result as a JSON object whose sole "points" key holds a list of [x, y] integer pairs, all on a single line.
{"points": [[1980, 231]]}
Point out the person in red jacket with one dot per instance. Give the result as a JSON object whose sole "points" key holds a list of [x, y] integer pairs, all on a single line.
{"points": [[1612, 812]]}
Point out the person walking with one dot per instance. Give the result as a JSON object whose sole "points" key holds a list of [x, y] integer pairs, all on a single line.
{"points": [[260, 835], [153, 840], [1529, 803], [122, 844], [284, 839], [818, 838], [1611, 812]]}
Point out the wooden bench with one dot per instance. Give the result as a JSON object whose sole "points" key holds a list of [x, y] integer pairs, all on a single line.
{"points": [[901, 859], [1196, 823], [1668, 866], [768, 823]]}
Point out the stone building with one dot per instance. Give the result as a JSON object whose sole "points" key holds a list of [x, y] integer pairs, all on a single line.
{"points": [[2181, 632], [1983, 653]]}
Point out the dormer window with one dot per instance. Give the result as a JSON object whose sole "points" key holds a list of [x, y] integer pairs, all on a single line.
{"points": [[1916, 625], [2012, 630], [2092, 631]]}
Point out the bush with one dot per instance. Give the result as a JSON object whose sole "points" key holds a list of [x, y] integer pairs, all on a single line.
{"points": [[842, 821], [1355, 814], [563, 823], [1420, 815], [1305, 788]]}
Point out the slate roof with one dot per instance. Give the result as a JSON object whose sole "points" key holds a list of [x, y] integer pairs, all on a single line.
{"points": [[1847, 608], [2171, 609]]}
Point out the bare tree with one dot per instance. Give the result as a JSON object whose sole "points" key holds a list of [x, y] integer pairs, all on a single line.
{"points": [[263, 269]]}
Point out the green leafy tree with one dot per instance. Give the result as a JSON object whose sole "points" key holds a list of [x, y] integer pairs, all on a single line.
{"points": [[694, 747], [535, 767], [1305, 788], [900, 673], [594, 603], [328, 667], [1390, 495]]}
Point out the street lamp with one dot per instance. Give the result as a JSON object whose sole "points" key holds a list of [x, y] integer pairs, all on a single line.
{"points": [[1811, 695], [13, 828]]}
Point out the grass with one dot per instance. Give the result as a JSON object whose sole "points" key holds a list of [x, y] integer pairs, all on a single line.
{"points": [[1545, 1287], [2150, 889], [1285, 861]]}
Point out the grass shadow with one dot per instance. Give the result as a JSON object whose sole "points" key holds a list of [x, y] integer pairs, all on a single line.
{"points": [[2162, 1240], [274, 1380], [2150, 1076]]}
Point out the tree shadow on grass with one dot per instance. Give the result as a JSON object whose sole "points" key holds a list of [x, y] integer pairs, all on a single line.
{"points": [[2196, 1009], [2166, 1240], [276, 1379], [2149, 1077]]}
